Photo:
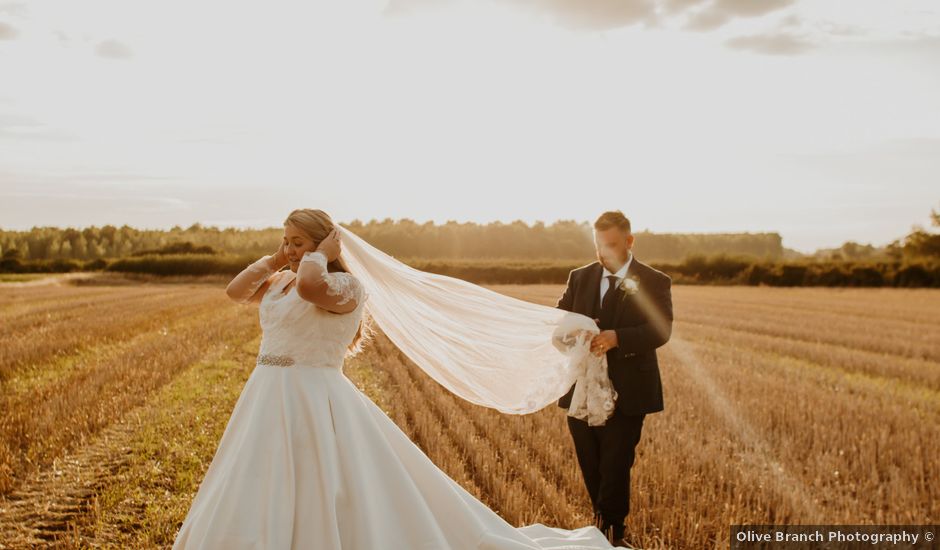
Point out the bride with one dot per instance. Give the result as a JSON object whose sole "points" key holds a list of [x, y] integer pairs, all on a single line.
{"points": [[307, 461]]}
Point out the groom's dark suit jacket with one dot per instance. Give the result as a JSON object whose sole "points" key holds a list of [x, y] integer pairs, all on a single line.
{"points": [[643, 322]]}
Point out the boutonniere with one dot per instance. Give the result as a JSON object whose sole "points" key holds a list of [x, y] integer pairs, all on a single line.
{"points": [[629, 286]]}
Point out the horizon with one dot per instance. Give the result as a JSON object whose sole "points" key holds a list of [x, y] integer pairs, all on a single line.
{"points": [[438, 223]]}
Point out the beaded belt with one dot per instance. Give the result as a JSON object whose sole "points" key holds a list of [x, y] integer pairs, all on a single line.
{"points": [[275, 360]]}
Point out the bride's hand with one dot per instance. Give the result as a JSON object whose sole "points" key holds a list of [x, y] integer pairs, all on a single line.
{"points": [[330, 246]]}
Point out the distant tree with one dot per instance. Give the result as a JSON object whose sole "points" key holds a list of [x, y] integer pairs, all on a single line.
{"points": [[921, 243], [895, 250], [855, 251], [177, 248]]}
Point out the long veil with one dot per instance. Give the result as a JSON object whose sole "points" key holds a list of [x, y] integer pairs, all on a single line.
{"points": [[488, 348]]}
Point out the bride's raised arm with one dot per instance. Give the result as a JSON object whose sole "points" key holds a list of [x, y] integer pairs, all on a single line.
{"points": [[250, 285], [338, 292]]}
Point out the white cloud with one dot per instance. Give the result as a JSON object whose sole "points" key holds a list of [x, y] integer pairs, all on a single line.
{"points": [[7, 31], [113, 49], [774, 44]]}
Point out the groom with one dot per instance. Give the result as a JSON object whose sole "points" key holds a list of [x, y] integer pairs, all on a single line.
{"points": [[632, 305]]}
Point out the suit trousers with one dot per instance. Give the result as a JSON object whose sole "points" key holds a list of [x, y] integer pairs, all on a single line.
{"points": [[606, 455]]}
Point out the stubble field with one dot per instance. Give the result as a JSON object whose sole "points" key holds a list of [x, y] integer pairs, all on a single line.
{"points": [[783, 405]]}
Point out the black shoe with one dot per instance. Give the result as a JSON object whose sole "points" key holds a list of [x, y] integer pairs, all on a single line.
{"points": [[613, 533]]}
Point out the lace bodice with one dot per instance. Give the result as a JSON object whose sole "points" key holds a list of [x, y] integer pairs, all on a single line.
{"points": [[296, 332]]}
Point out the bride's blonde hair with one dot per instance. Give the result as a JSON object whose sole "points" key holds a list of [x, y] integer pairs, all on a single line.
{"points": [[317, 224]]}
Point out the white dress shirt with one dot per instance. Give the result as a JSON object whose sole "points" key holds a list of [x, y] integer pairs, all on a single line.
{"points": [[621, 273]]}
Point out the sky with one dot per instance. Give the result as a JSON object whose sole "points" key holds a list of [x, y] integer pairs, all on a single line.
{"points": [[819, 119]]}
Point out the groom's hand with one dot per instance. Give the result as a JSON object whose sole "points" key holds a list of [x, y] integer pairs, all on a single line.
{"points": [[607, 339]]}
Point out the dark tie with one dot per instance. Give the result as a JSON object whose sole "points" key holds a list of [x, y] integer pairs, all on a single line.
{"points": [[607, 302]]}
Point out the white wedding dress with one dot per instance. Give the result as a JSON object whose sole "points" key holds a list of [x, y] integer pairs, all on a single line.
{"points": [[307, 461]]}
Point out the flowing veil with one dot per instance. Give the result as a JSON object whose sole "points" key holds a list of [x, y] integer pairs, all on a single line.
{"points": [[490, 349]]}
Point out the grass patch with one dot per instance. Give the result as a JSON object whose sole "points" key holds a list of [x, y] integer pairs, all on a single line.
{"points": [[175, 439]]}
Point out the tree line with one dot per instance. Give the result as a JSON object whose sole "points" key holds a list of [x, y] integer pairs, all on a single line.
{"points": [[405, 238], [490, 253]]}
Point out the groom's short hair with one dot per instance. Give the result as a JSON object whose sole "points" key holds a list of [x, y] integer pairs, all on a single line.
{"points": [[612, 218]]}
